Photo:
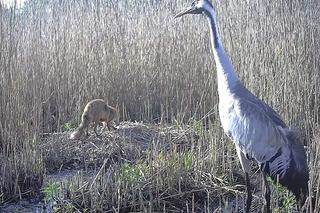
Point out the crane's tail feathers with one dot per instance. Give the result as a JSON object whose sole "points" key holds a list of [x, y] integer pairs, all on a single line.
{"points": [[299, 170], [296, 176]]}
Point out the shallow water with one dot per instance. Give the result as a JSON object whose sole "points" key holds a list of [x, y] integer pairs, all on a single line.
{"points": [[26, 206], [36, 204]]}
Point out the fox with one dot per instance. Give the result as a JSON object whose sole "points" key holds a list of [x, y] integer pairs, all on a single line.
{"points": [[97, 112]]}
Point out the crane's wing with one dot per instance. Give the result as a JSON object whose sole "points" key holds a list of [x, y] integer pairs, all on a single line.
{"points": [[248, 97], [255, 132]]}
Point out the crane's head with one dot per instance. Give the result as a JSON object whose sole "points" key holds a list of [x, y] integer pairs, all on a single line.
{"points": [[197, 7]]}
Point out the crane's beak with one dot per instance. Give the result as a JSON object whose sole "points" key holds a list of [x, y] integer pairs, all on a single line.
{"points": [[189, 10]]}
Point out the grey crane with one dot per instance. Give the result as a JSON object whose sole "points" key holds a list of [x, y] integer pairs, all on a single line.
{"points": [[258, 132]]}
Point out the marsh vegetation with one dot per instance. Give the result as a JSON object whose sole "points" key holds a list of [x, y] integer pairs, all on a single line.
{"points": [[56, 55]]}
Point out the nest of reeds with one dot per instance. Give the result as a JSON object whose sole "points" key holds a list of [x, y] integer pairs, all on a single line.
{"points": [[125, 144]]}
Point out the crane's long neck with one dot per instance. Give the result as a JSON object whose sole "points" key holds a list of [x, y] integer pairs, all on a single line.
{"points": [[227, 79]]}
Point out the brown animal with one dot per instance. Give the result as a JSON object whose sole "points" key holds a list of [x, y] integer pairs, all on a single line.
{"points": [[96, 112]]}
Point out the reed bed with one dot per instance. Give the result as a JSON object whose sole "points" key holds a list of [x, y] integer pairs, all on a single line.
{"points": [[55, 56]]}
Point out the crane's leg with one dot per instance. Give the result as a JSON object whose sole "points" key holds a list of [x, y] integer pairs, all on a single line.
{"points": [[245, 164], [249, 193], [266, 193]]}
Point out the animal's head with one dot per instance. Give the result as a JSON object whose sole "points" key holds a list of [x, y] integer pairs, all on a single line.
{"points": [[116, 115], [197, 7]]}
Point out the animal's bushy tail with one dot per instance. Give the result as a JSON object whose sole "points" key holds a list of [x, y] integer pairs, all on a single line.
{"points": [[80, 130], [76, 134]]}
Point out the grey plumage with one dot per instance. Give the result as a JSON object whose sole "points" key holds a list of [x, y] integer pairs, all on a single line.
{"points": [[257, 130]]}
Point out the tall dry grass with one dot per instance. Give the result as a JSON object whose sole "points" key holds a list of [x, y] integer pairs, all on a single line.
{"points": [[57, 55]]}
